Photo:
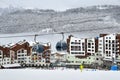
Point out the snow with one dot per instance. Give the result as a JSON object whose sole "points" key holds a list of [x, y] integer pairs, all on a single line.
{"points": [[47, 30], [62, 52], [110, 20], [38, 74], [11, 65]]}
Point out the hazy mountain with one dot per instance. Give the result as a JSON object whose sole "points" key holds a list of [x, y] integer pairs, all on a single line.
{"points": [[94, 19]]}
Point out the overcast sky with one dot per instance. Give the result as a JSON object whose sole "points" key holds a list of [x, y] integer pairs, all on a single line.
{"points": [[55, 4]]}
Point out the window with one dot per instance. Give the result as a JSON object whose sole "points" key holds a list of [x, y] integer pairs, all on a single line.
{"points": [[106, 44], [0, 52], [97, 58], [75, 41], [106, 52], [106, 37], [100, 47], [89, 49], [22, 51], [106, 47], [112, 45], [100, 40], [18, 51], [72, 42], [89, 44]]}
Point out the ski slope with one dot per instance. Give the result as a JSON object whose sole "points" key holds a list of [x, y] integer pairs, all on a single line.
{"points": [[60, 74]]}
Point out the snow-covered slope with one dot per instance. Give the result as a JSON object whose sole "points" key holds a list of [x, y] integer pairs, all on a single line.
{"points": [[95, 19], [28, 74]]}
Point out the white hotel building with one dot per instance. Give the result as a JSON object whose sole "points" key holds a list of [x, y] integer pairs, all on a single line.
{"points": [[82, 51], [109, 47], [77, 46]]}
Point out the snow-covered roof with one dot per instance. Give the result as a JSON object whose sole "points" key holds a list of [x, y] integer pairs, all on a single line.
{"points": [[9, 45], [22, 42], [11, 65], [31, 43]]}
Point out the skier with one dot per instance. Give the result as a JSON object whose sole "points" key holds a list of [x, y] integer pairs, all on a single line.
{"points": [[81, 67]]}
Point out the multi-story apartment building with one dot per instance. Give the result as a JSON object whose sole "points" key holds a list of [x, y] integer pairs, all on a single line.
{"points": [[109, 47], [82, 51], [41, 54], [15, 53], [20, 51], [23, 53], [77, 46], [92, 46]]}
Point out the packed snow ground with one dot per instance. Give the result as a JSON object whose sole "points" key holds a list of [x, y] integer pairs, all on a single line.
{"points": [[58, 74]]}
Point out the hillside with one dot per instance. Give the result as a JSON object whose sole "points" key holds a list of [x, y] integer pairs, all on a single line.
{"points": [[94, 19]]}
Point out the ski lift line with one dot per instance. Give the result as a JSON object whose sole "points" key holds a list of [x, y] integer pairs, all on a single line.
{"points": [[29, 35], [57, 33], [17, 36]]}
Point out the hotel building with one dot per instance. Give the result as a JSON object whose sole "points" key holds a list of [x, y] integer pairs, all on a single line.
{"points": [[109, 47], [82, 51]]}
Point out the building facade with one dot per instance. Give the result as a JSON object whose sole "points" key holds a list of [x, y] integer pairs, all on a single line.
{"points": [[82, 51], [58, 59], [109, 47], [22, 53], [41, 58]]}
